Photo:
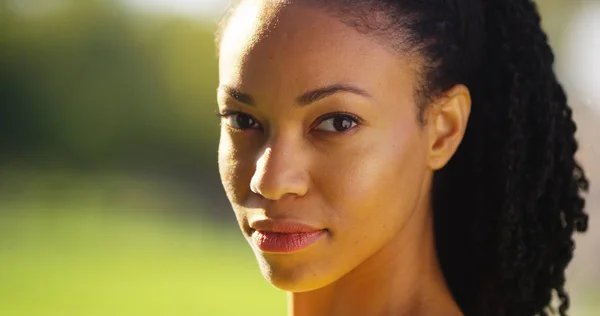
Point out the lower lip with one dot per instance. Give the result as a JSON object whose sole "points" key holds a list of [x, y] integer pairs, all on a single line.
{"points": [[285, 242]]}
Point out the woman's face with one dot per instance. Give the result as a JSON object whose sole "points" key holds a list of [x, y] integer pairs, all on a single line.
{"points": [[320, 129]]}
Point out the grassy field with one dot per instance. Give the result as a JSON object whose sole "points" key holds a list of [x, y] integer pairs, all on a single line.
{"points": [[79, 257], [91, 264]]}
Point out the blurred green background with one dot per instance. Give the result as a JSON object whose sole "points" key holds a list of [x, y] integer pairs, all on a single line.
{"points": [[110, 201]]}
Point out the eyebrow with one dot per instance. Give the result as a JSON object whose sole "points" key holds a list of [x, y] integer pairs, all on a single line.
{"points": [[305, 98]]}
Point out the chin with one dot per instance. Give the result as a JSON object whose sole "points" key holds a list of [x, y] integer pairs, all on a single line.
{"points": [[293, 277]]}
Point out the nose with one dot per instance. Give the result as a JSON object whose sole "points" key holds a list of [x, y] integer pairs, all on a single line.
{"points": [[280, 171]]}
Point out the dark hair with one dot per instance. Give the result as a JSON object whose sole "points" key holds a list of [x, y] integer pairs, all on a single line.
{"points": [[508, 202]]}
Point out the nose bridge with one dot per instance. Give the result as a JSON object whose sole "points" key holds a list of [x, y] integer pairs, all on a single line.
{"points": [[280, 170]]}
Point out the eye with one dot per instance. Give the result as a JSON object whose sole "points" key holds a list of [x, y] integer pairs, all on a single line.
{"points": [[240, 120], [338, 123]]}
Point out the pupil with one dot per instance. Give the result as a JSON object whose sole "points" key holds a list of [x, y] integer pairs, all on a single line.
{"points": [[342, 123], [244, 121]]}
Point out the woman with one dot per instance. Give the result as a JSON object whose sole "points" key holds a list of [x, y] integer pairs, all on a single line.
{"points": [[409, 157]]}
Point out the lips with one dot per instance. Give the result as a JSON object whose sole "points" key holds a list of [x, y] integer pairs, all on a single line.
{"points": [[279, 236]]}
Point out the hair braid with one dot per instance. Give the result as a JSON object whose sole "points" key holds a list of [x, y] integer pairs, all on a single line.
{"points": [[543, 182]]}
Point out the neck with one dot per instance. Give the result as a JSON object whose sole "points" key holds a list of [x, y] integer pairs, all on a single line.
{"points": [[403, 278]]}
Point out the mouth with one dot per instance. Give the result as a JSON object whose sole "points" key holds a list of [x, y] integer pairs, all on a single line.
{"points": [[281, 236]]}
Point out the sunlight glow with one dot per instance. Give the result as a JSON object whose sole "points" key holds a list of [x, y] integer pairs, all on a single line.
{"points": [[199, 8], [581, 63]]}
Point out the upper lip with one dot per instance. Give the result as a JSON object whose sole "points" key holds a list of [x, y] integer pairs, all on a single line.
{"points": [[282, 226]]}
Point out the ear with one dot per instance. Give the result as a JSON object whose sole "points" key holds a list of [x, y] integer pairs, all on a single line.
{"points": [[446, 123]]}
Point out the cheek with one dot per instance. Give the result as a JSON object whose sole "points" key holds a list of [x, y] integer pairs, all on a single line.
{"points": [[235, 166], [377, 183]]}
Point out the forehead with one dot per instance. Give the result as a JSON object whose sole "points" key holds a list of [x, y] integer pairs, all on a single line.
{"points": [[291, 46]]}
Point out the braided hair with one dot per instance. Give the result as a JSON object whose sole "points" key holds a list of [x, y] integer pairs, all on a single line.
{"points": [[508, 202]]}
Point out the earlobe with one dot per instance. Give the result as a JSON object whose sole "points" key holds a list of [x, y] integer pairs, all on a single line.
{"points": [[447, 119]]}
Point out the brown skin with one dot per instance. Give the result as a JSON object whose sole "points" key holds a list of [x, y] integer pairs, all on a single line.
{"points": [[368, 185]]}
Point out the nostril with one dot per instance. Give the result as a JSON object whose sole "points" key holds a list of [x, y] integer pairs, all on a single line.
{"points": [[278, 174]]}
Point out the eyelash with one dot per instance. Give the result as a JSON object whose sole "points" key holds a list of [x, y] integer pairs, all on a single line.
{"points": [[226, 114], [355, 119]]}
